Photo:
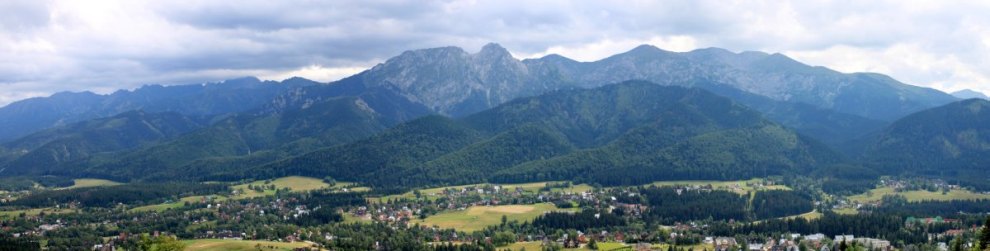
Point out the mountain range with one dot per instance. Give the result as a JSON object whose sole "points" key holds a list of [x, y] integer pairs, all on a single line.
{"points": [[968, 94], [721, 115], [232, 96], [594, 134]]}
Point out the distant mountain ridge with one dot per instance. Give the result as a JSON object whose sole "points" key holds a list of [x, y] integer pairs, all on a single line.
{"points": [[450, 81], [248, 123], [453, 82], [236, 95], [968, 94]]}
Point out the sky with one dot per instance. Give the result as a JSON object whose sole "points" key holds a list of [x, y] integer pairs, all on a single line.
{"points": [[102, 46]]}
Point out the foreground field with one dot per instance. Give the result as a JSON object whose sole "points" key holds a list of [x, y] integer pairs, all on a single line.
{"points": [[535, 245], [34, 212], [807, 216], [738, 186], [918, 195], [478, 217], [432, 193], [80, 183], [176, 204], [217, 244], [845, 211], [295, 183]]}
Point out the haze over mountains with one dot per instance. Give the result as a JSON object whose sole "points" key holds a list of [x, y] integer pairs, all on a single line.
{"points": [[968, 94], [774, 114]]}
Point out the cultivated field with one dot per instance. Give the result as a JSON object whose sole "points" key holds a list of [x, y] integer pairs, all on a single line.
{"points": [[295, 183], [918, 195], [92, 183], [807, 216], [846, 211], [33, 212], [478, 217], [176, 204], [216, 244], [535, 245], [738, 186], [432, 193]]}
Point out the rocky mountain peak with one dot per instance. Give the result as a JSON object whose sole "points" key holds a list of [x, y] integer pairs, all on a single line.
{"points": [[451, 81], [645, 50], [493, 50]]}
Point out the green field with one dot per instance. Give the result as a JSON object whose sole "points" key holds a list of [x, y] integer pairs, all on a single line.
{"points": [[478, 217], [534, 187], [807, 216], [33, 212], [528, 245], [846, 211], [917, 195], [738, 186], [216, 244], [664, 246], [79, 183], [296, 183], [536, 245], [176, 204], [350, 218]]}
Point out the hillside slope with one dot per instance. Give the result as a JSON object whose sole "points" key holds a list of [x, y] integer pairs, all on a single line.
{"points": [[633, 129], [950, 141]]}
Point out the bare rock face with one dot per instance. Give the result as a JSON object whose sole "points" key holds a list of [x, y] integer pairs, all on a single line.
{"points": [[451, 81]]}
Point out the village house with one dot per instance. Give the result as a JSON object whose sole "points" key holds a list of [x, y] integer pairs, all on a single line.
{"points": [[843, 238], [725, 243], [874, 244]]}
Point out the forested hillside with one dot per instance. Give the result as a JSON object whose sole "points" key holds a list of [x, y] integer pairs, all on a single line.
{"points": [[629, 133]]}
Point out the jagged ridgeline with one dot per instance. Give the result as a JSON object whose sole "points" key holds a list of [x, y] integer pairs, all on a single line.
{"points": [[247, 128], [629, 133]]}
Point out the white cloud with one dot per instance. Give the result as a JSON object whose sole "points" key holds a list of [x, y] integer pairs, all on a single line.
{"points": [[56, 45], [608, 47], [315, 72]]}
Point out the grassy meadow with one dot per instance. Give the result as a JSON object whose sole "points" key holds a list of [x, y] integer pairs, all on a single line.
{"points": [[478, 217], [433, 193], [918, 195], [737, 186], [33, 212], [217, 244], [295, 183], [80, 183]]}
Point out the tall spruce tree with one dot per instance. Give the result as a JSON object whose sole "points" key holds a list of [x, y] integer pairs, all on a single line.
{"points": [[985, 235]]}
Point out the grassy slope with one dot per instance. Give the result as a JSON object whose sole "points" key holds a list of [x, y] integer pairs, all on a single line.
{"points": [[535, 245], [216, 244], [296, 183], [33, 212], [93, 183], [738, 186], [478, 217], [431, 193], [176, 204], [918, 195], [808, 216]]}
